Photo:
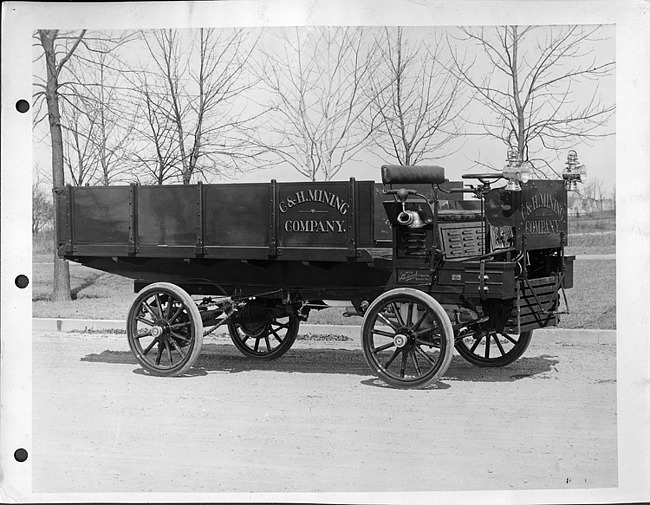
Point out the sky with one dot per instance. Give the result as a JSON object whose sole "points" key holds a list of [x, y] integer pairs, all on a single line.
{"points": [[599, 155], [460, 156]]}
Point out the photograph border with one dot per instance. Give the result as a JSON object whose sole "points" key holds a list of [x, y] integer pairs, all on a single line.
{"points": [[632, 189]]}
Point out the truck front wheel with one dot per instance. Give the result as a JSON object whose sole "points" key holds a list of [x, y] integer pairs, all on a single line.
{"points": [[407, 338], [165, 330]]}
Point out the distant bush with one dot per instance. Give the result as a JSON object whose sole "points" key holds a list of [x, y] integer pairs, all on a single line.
{"points": [[594, 222], [42, 242]]}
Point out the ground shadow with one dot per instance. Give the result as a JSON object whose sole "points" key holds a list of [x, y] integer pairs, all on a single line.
{"points": [[89, 279], [226, 358], [375, 382], [193, 372]]}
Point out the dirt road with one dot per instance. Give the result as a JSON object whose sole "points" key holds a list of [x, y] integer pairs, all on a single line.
{"points": [[317, 421]]}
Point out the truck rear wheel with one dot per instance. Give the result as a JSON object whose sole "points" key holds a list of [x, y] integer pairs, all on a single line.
{"points": [[165, 330], [407, 338], [265, 338], [493, 349]]}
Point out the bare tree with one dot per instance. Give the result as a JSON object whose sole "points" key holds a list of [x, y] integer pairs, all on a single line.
{"points": [[79, 126], [415, 97], [594, 190], [154, 133], [42, 209], [58, 48], [97, 97], [535, 82], [317, 78], [199, 76]]}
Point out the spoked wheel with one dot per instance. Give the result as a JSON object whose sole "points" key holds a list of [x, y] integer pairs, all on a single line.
{"points": [[493, 349], [407, 338], [165, 330], [267, 338]]}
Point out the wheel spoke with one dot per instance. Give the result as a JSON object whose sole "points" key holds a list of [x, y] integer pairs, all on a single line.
{"points": [[148, 308], [420, 320], [176, 314], [384, 347], [425, 355], [159, 306], [150, 346], [169, 353], [277, 337], [268, 343], [487, 345], [180, 325], [398, 314], [429, 343], [415, 362], [168, 310], [422, 333], [496, 341], [512, 340], [257, 345], [147, 333], [145, 321], [180, 337], [387, 321], [477, 341], [159, 354], [392, 358], [434, 326], [383, 333], [402, 368], [178, 349], [409, 315]]}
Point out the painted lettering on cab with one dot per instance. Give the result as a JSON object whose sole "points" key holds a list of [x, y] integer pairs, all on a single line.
{"points": [[314, 196], [313, 226]]}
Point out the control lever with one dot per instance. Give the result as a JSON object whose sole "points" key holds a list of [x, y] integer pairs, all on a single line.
{"points": [[402, 194]]}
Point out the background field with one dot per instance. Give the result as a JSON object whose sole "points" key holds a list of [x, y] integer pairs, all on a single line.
{"points": [[592, 300], [595, 234]]}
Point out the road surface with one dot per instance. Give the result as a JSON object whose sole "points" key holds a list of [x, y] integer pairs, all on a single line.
{"points": [[317, 421]]}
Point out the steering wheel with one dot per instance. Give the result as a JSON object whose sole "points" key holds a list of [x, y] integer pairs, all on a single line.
{"points": [[483, 177]]}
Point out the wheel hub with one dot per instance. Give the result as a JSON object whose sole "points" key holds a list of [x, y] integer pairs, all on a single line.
{"points": [[255, 329], [401, 340], [160, 329]]}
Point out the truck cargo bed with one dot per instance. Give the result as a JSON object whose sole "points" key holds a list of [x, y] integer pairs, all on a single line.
{"points": [[331, 221]]}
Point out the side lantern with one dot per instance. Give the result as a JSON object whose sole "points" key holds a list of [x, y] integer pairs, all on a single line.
{"points": [[574, 172], [516, 171]]}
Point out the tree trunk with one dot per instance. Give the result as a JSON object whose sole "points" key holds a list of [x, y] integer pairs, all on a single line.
{"points": [[61, 288], [61, 291]]}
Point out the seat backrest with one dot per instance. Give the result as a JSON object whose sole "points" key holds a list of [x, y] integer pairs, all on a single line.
{"points": [[420, 174]]}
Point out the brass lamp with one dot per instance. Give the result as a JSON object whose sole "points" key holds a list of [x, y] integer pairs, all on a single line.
{"points": [[516, 171], [574, 172]]}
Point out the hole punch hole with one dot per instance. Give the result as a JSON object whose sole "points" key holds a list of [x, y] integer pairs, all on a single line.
{"points": [[22, 281], [21, 455], [22, 106]]}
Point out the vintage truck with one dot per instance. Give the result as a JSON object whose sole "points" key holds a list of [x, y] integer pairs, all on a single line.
{"points": [[426, 268]]}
